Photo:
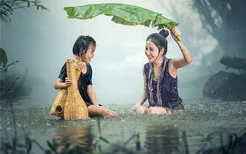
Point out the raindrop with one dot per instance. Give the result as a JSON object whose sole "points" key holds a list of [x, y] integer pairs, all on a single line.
{"points": [[48, 124]]}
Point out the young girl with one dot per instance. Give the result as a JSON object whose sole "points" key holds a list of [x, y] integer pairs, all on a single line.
{"points": [[83, 50], [160, 75]]}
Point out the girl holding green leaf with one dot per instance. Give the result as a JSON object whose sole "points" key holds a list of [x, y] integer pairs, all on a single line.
{"points": [[160, 75]]}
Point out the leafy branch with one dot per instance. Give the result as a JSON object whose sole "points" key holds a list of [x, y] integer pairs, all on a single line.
{"points": [[4, 90], [7, 7], [4, 69]]}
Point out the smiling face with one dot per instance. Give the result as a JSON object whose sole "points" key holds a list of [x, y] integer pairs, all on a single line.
{"points": [[151, 51], [86, 57]]}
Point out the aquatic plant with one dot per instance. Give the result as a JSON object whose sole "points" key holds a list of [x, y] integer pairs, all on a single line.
{"points": [[235, 143], [229, 143], [18, 146]]}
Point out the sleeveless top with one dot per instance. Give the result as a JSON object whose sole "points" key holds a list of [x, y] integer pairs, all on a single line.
{"points": [[167, 91]]}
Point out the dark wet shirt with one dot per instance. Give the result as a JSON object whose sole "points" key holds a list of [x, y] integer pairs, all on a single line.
{"points": [[168, 88], [83, 81]]}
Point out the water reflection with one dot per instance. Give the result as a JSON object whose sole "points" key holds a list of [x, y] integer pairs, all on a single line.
{"points": [[80, 137], [162, 140], [229, 143], [167, 139]]}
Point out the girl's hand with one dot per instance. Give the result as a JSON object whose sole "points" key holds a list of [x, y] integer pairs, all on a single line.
{"points": [[68, 82], [134, 107], [175, 33]]}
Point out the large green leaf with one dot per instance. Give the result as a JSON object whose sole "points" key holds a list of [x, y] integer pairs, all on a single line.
{"points": [[3, 58], [122, 14]]}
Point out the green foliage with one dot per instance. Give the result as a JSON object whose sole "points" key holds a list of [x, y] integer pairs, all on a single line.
{"points": [[4, 88], [8, 6], [122, 14], [4, 61], [6, 9], [18, 146], [3, 58], [236, 145]]}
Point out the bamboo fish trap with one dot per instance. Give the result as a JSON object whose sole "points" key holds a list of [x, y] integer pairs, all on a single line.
{"points": [[68, 102], [57, 108]]}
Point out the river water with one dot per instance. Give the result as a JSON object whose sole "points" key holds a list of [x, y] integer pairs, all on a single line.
{"points": [[204, 125]]}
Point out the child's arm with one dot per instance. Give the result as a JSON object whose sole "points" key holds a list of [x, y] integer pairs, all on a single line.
{"points": [[60, 84]]}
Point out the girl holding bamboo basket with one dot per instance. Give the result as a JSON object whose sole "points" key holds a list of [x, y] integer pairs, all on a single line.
{"points": [[83, 51]]}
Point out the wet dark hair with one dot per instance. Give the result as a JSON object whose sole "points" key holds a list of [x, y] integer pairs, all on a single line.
{"points": [[159, 39], [82, 44]]}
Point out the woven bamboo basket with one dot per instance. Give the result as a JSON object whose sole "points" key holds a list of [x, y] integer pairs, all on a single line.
{"points": [[57, 108], [68, 102], [75, 107]]}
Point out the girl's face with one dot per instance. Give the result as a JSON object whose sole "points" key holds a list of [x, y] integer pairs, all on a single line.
{"points": [[89, 54], [151, 51]]}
